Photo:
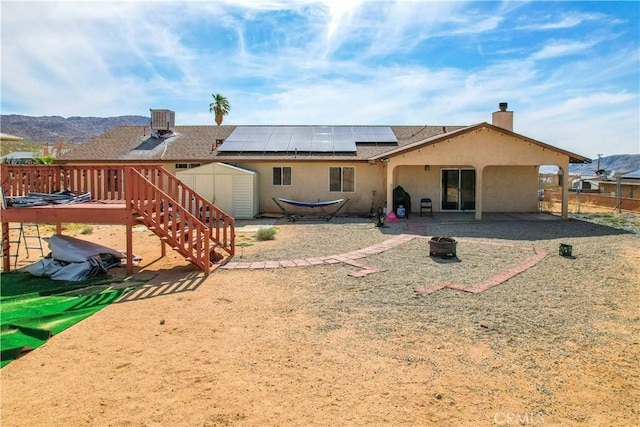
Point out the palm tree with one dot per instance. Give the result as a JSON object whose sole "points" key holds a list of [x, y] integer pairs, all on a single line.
{"points": [[220, 107]]}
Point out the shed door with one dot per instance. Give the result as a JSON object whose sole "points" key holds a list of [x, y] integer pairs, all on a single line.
{"points": [[224, 193], [203, 184], [243, 202]]}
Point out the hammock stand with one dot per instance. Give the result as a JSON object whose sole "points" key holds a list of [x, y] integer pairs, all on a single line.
{"points": [[327, 216]]}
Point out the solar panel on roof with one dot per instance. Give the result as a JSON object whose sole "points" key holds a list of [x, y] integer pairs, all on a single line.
{"points": [[340, 130], [364, 137], [280, 137], [322, 146], [265, 130], [338, 138], [300, 146], [232, 146], [254, 146], [321, 139], [342, 147]]}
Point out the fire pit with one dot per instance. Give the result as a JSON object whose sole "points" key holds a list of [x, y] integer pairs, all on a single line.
{"points": [[442, 246]]}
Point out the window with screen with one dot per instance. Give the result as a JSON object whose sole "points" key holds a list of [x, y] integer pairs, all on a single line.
{"points": [[282, 175], [342, 179]]}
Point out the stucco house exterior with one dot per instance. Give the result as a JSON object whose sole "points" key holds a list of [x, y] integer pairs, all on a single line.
{"points": [[484, 167]]}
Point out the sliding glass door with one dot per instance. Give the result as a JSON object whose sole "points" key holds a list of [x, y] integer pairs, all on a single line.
{"points": [[458, 190]]}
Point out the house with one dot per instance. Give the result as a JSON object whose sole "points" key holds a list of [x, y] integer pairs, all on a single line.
{"points": [[19, 157], [485, 167], [626, 185], [16, 156], [10, 138]]}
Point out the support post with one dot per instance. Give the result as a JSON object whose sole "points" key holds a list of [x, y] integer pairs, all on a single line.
{"points": [[6, 247], [478, 213], [389, 195], [129, 249], [564, 180]]}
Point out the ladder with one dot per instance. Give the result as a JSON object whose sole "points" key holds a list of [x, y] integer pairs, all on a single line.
{"points": [[31, 241]]}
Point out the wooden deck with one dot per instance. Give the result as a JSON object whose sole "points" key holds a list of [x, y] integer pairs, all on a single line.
{"points": [[127, 195]]}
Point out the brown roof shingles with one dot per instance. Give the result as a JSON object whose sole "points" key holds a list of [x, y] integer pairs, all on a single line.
{"points": [[195, 144]]}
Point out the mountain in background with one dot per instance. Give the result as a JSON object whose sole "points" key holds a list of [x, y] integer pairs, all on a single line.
{"points": [[618, 164], [50, 129]]}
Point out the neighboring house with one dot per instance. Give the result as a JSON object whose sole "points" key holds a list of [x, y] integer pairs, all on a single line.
{"points": [[7, 137], [16, 156], [626, 185], [26, 157], [478, 168], [584, 183]]}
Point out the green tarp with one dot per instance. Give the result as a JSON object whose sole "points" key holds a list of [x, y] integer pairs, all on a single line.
{"points": [[32, 309]]}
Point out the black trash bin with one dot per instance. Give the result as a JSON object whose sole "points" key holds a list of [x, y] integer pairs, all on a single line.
{"points": [[401, 198]]}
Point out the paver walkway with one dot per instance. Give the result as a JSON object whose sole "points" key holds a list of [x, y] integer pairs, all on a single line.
{"points": [[414, 230]]}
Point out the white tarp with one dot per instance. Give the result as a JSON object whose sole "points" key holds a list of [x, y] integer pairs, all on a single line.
{"points": [[74, 259], [70, 249]]}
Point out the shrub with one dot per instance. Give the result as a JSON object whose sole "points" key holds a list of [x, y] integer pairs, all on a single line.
{"points": [[75, 228], [87, 229], [265, 233]]}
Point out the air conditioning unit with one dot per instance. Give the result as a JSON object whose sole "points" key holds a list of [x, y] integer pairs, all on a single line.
{"points": [[163, 120]]}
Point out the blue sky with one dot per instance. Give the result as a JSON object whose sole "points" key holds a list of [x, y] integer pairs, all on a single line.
{"points": [[570, 71]]}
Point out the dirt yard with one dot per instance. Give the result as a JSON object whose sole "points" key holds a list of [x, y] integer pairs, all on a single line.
{"points": [[557, 344]]}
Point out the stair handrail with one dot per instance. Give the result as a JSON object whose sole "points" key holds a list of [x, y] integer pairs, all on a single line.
{"points": [[183, 231], [220, 224]]}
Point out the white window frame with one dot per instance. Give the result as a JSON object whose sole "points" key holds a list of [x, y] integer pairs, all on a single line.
{"points": [[186, 165], [282, 168], [342, 169]]}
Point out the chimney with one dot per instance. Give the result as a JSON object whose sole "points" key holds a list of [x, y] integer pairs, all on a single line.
{"points": [[503, 118]]}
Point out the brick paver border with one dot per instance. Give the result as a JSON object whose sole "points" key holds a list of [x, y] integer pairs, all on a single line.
{"points": [[350, 258]]}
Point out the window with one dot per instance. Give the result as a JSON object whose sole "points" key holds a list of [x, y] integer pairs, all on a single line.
{"points": [[187, 165], [342, 179], [282, 175]]}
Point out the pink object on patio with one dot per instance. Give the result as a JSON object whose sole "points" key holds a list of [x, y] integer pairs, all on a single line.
{"points": [[391, 217]]}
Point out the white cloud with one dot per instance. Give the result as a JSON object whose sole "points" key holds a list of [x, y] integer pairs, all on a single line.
{"points": [[328, 62], [568, 20], [557, 48]]}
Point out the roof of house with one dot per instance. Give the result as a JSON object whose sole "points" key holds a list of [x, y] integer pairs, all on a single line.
{"points": [[198, 144], [8, 137], [632, 175], [19, 155]]}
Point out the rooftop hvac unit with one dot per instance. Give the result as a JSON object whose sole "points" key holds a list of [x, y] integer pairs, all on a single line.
{"points": [[163, 120]]}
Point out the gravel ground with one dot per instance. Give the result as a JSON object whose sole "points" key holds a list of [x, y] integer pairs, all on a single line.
{"points": [[569, 309], [484, 249]]}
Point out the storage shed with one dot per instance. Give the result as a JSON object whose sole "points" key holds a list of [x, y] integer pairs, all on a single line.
{"points": [[230, 188]]}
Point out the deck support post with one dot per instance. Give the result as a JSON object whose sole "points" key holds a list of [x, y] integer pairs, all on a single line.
{"points": [[6, 247], [129, 249]]}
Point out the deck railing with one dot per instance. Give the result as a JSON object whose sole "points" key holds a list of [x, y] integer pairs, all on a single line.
{"points": [[149, 190], [104, 182]]}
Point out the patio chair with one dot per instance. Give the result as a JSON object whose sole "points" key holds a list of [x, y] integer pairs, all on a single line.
{"points": [[425, 204]]}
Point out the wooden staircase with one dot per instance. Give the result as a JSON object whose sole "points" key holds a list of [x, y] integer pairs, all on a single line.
{"points": [[183, 219]]}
